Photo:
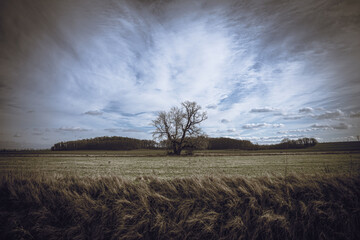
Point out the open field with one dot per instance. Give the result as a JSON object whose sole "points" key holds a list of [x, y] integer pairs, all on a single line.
{"points": [[145, 194], [139, 163]]}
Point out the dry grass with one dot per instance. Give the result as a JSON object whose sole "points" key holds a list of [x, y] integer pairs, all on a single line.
{"points": [[295, 207], [99, 163]]}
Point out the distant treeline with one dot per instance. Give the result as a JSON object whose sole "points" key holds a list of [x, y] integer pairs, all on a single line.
{"points": [[229, 143], [105, 143], [300, 143], [124, 143]]}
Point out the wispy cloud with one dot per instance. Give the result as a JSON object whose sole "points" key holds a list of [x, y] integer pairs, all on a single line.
{"points": [[322, 126], [306, 110], [260, 125], [94, 113], [121, 63], [304, 130], [37, 133], [355, 114], [262, 110], [113, 130], [123, 130], [211, 106], [340, 126], [330, 115], [16, 135], [271, 139], [72, 129], [292, 117], [224, 120]]}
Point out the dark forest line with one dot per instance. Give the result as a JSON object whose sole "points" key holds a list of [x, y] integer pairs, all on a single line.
{"points": [[201, 143]]}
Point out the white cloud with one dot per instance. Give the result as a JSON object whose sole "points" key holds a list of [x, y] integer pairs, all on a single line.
{"points": [[278, 125], [270, 139]]}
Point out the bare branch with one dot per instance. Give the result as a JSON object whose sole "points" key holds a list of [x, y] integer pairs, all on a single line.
{"points": [[178, 124]]}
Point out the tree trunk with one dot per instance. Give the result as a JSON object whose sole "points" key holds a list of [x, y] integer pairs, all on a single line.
{"points": [[177, 148], [178, 152]]}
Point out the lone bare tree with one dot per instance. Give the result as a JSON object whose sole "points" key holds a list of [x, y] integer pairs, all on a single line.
{"points": [[179, 124]]}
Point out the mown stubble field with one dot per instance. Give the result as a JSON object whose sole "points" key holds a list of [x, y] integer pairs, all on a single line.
{"points": [[154, 163]]}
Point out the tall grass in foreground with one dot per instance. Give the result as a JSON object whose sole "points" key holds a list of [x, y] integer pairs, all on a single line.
{"points": [[295, 207]]}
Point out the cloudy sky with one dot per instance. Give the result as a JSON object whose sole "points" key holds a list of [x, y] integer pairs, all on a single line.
{"points": [[263, 70]]}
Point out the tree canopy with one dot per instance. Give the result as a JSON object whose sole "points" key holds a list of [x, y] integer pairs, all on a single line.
{"points": [[179, 125]]}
